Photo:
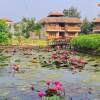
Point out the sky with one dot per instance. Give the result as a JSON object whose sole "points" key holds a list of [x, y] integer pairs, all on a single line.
{"points": [[16, 9]]}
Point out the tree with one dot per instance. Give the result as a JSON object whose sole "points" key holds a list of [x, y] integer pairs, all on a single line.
{"points": [[3, 38], [71, 12], [10, 37], [37, 29], [18, 31], [3, 32], [86, 27], [27, 26], [3, 26]]}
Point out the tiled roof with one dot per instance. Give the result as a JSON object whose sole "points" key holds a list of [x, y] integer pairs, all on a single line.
{"points": [[60, 19], [6, 19], [56, 14]]}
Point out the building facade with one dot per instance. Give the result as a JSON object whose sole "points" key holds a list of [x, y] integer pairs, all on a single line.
{"points": [[59, 27], [96, 23]]}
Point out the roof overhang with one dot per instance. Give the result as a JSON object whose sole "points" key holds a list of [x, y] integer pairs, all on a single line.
{"points": [[96, 30], [55, 30]]}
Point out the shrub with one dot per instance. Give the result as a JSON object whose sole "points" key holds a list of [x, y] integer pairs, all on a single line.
{"points": [[86, 42], [3, 38]]}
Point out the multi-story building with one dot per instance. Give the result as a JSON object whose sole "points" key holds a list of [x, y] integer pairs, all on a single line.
{"points": [[96, 22], [57, 26]]}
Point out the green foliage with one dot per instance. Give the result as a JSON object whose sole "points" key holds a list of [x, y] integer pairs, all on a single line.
{"points": [[9, 35], [71, 12], [86, 42], [3, 32], [27, 26], [3, 38], [18, 35], [86, 26], [3, 26], [37, 29]]}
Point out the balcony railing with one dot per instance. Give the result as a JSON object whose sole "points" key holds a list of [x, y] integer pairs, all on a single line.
{"points": [[66, 28], [96, 28], [60, 37], [72, 28], [52, 28]]}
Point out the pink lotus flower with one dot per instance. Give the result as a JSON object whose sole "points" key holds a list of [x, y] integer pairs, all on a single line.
{"points": [[83, 62], [53, 56], [41, 94], [48, 83], [74, 67], [56, 83], [58, 87], [74, 60], [55, 88]]}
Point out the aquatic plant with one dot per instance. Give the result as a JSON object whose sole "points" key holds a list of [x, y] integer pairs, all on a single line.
{"points": [[53, 91], [68, 59], [64, 59]]}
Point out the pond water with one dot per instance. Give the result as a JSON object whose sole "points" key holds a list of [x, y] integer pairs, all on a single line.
{"points": [[84, 85]]}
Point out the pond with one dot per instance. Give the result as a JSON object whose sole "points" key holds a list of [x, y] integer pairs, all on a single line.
{"points": [[83, 85]]}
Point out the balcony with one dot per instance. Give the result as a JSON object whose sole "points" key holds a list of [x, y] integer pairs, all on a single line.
{"points": [[54, 28], [96, 29], [73, 29]]}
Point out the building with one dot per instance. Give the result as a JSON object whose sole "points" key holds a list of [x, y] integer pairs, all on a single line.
{"points": [[8, 21], [96, 23], [59, 27]]}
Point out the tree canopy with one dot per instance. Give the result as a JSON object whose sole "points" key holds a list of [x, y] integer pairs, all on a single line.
{"points": [[3, 32], [72, 12], [3, 26], [86, 26], [27, 26]]}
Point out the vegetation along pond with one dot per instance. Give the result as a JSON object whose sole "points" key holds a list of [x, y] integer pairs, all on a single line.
{"points": [[36, 67]]}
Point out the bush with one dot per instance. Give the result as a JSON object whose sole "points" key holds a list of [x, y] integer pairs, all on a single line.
{"points": [[3, 38], [86, 42]]}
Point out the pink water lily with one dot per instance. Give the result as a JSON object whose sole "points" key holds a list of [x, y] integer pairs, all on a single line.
{"points": [[41, 94], [55, 88], [48, 82], [53, 56], [56, 83], [58, 87], [83, 62]]}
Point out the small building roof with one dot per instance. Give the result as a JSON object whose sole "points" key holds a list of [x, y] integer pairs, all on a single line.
{"points": [[52, 14], [96, 20], [6, 19], [98, 4], [60, 20]]}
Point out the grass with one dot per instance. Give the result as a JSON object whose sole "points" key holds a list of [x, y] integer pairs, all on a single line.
{"points": [[36, 42]]}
